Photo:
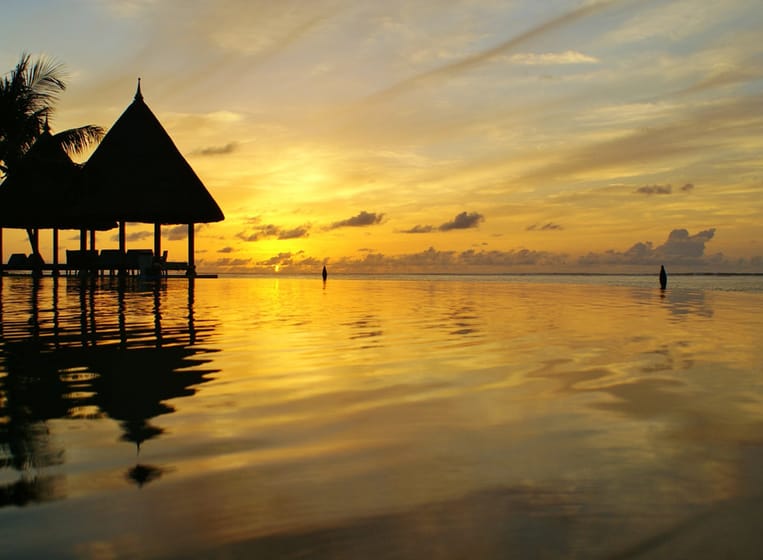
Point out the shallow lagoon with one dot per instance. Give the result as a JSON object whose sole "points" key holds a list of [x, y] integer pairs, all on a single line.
{"points": [[381, 418]]}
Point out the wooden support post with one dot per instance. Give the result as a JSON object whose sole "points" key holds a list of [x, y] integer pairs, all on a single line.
{"points": [[191, 252], [2, 258], [36, 258], [82, 239], [122, 249], [55, 252], [122, 236], [92, 240], [157, 239]]}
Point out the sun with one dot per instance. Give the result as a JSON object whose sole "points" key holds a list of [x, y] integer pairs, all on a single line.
{"points": [[277, 268]]}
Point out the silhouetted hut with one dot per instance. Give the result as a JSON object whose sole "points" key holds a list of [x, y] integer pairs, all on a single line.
{"points": [[137, 174], [43, 192]]}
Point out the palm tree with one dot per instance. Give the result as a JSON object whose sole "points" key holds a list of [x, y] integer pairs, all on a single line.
{"points": [[27, 96]]}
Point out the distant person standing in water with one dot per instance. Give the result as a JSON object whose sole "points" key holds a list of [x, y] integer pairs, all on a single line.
{"points": [[324, 273], [663, 277]]}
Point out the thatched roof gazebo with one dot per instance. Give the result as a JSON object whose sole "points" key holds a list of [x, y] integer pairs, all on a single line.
{"points": [[44, 192], [137, 174]]}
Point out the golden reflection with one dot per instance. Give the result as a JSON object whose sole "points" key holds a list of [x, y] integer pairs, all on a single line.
{"points": [[519, 415]]}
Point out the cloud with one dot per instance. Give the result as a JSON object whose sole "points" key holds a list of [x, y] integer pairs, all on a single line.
{"points": [[681, 244], [475, 60], [463, 221], [272, 231], [688, 187], [550, 226], [228, 148], [566, 57], [654, 189], [361, 220], [226, 262], [419, 229], [679, 248], [433, 260], [134, 236], [225, 250], [280, 259], [707, 127], [176, 232]]}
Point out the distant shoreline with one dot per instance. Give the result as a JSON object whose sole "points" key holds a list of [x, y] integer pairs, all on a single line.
{"points": [[457, 274]]}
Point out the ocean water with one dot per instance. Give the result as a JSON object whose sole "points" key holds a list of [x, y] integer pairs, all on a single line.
{"points": [[382, 417]]}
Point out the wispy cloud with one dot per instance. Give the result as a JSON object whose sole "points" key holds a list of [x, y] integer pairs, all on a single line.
{"points": [[228, 148], [502, 48], [362, 219], [654, 189], [549, 226], [544, 59], [272, 231], [464, 220]]}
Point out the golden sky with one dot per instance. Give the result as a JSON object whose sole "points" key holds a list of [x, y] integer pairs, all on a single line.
{"points": [[433, 136]]}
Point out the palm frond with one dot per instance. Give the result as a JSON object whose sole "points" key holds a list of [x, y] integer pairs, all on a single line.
{"points": [[45, 78], [76, 140]]}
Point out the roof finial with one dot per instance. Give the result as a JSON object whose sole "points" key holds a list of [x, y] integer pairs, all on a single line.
{"points": [[138, 94], [46, 127]]}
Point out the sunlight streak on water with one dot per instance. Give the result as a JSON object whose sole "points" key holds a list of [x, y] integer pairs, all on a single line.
{"points": [[390, 418]]}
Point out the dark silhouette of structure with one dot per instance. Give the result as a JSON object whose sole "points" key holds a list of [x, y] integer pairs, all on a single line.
{"points": [[663, 277], [42, 192], [136, 174]]}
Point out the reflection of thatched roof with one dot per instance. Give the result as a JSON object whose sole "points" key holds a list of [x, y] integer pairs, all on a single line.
{"points": [[43, 191], [138, 175]]}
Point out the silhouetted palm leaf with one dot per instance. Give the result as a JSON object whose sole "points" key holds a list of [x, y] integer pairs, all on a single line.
{"points": [[76, 140], [27, 95]]}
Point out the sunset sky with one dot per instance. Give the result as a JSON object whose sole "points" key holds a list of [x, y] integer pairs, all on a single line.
{"points": [[433, 136]]}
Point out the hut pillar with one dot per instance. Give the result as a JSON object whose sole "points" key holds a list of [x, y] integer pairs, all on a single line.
{"points": [[2, 259], [82, 239], [55, 252], [92, 240], [122, 245], [191, 252], [122, 248], [157, 239], [34, 238]]}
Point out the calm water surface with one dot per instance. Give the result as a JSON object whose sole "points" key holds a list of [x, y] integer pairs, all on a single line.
{"points": [[381, 418]]}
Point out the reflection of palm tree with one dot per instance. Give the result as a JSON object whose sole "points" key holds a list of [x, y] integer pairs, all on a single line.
{"points": [[114, 371], [33, 393], [25, 491]]}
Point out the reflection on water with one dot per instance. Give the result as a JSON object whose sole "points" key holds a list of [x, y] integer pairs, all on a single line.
{"points": [[86, 354], [379, 418]]}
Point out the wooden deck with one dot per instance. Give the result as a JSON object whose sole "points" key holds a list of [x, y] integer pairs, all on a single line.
{"points": [[111, 262]]}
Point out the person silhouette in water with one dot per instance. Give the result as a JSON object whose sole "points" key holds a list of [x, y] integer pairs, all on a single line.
{"points": [[324, 273], [663, 277]]}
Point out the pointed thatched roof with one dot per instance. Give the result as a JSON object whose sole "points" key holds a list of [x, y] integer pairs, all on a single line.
{"points": [[43, 191], [137, 174]]}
